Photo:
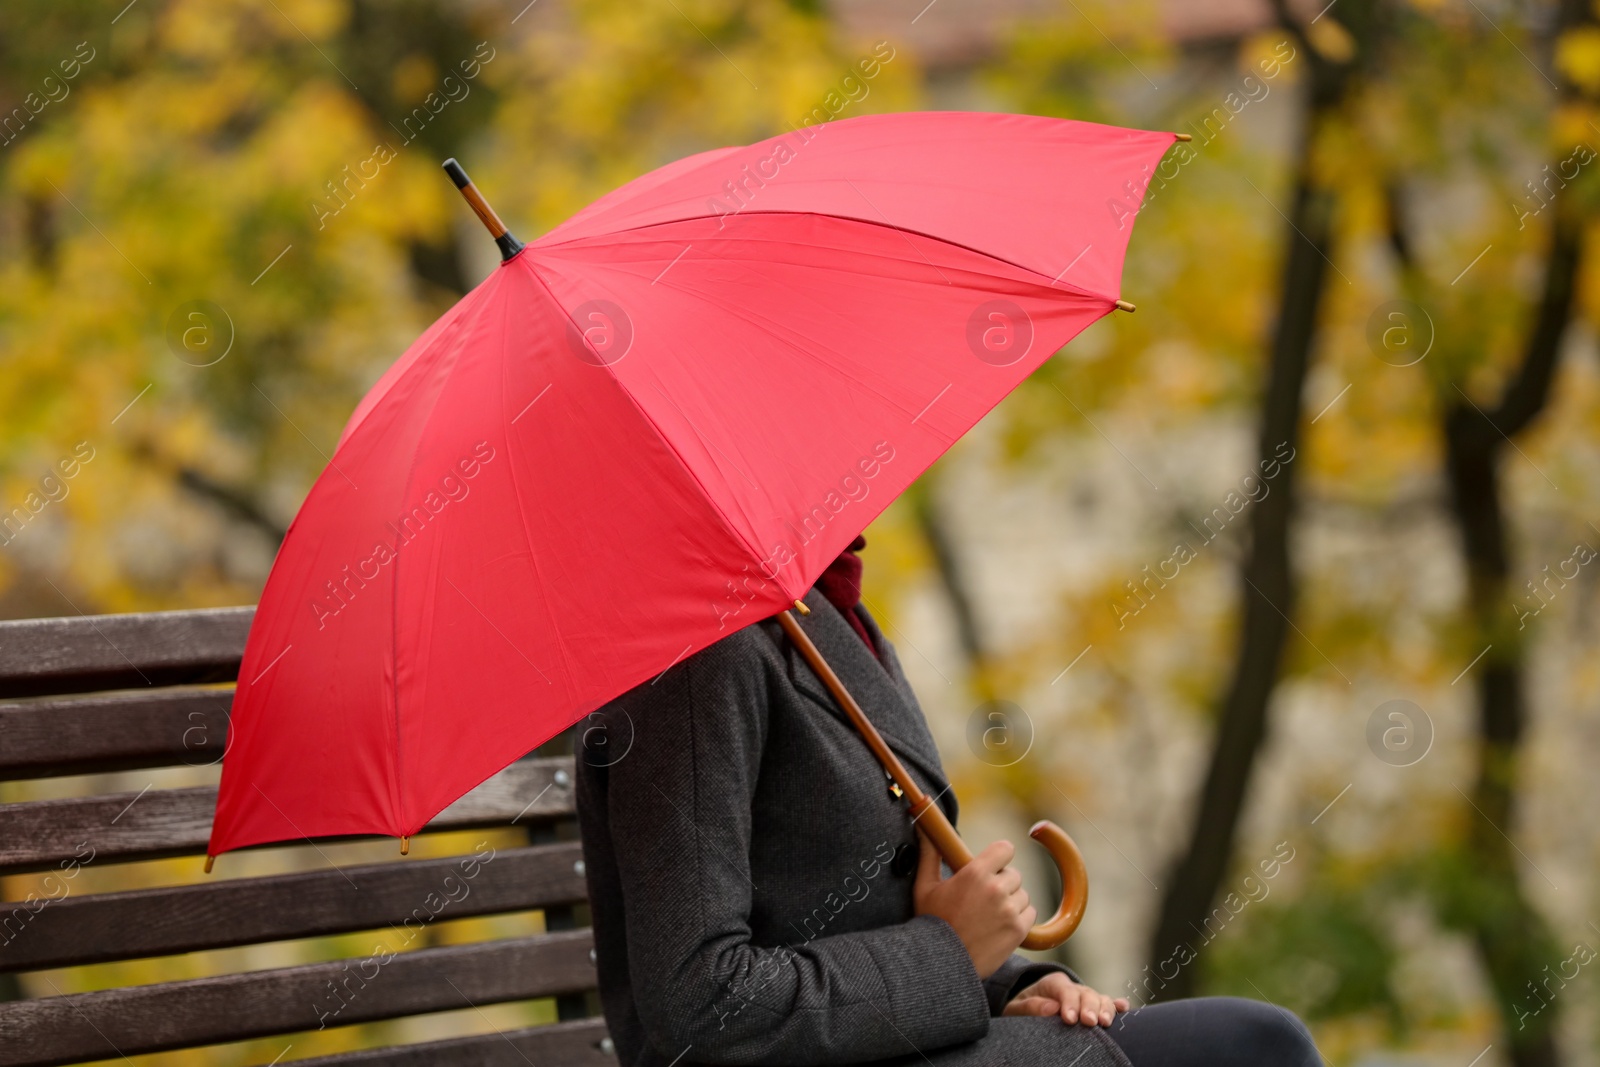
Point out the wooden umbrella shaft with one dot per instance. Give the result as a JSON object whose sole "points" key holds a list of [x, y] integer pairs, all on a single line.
{"points": [[925, 810], [509, 245]]}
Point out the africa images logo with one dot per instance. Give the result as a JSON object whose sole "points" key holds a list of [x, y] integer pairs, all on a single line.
{"points": [[599, 332], [999, 332]]}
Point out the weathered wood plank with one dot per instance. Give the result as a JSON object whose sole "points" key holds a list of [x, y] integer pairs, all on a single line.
{"points": [[94, 652], [128, 1022], [70, 930], [117, 828], [113, 732], [574, 1044]]}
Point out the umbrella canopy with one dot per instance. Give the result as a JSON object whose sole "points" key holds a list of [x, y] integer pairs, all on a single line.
{"points": [[655, 425]]}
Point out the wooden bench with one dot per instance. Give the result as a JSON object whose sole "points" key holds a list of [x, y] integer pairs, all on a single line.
{"points": [[114, 693]]}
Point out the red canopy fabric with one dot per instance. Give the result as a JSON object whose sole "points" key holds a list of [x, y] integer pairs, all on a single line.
{"points": [[656, 425]]}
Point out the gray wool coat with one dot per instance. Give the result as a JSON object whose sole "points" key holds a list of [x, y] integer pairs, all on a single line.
{"points": [[750, 873]]}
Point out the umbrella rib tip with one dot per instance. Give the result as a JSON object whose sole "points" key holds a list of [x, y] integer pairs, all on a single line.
{"points": [[1125, 305]]}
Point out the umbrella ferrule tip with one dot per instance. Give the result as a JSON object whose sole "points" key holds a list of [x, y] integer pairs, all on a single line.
{"points": [[457, 174]]}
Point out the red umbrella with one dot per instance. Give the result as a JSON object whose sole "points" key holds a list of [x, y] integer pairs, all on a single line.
{"points": [[654, 425]]}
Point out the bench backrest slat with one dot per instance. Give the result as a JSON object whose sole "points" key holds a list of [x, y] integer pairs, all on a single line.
{"points": [[113, 732], [66, 930], [120, 827], [95, 652]]}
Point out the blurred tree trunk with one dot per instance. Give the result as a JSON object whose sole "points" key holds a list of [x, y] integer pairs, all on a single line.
{"points": [[1267, 588], [953, 579], [1487, 899], [1479, 892]]}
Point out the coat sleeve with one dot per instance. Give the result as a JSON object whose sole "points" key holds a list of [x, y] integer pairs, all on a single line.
{"points": [[1015, 975], [679, 811]]}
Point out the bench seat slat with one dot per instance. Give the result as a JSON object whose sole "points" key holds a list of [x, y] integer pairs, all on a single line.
{"points": [[88, 653], [42, 834], [142, 1019], [573, 1044], [155, 922], [113, 732]]}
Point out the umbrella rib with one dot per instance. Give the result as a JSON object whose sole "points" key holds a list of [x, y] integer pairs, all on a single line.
{"points": [[900, 229], [511, 460], [1049, 281], [746, 316], [462, 326], [650, 421], [703, 438]]}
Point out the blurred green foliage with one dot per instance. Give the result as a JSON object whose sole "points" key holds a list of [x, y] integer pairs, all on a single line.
{"points": [[1325, 953]]}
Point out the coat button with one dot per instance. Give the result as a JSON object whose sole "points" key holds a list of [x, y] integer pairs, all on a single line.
{"points": [[904, 864]]}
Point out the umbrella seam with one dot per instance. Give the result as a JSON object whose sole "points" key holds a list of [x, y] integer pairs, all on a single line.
{"points": [[533, 557], [747, 316], [464, 324], [597, 238], [651, 422], [1065, 289]]}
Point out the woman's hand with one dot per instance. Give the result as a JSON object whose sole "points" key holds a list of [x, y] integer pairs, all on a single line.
{"points": [[1056, 994], [984, 903]]}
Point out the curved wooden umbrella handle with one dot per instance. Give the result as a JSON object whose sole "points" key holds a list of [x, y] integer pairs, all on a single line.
{"points": [[930, 819], [1074, 887]]}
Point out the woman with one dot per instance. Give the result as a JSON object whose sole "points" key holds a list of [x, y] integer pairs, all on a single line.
{"points": [[760, 896]]}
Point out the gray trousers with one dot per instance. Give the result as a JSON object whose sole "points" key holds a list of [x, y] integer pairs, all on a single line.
{"points": [[1201, 1032], [1214, 1032]]}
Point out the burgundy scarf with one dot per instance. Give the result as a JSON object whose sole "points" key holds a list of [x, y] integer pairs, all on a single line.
{"points": [[841, 585]]}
